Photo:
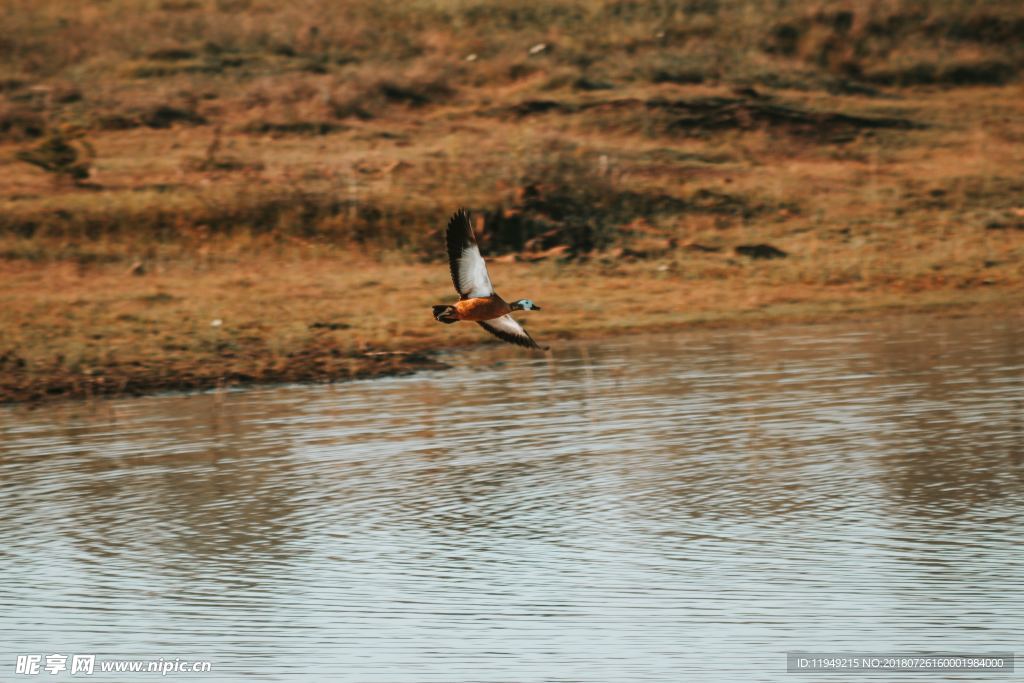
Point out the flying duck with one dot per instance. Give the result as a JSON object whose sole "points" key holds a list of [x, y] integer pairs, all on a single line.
{"points": [[477, 299]]}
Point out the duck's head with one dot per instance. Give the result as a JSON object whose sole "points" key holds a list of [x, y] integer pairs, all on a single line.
{"points": [[525, 305]]}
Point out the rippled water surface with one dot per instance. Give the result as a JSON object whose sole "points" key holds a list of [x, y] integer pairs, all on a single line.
{"points": [[653, 508]]}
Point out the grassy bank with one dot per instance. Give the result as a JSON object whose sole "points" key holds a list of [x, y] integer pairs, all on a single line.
{"points": [[71, 333], [256, 192]]}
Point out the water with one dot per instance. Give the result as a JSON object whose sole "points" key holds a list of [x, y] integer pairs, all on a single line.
{"points": [[654, 508]]}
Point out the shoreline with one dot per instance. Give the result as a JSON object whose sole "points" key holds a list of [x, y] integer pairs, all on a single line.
{"points": [[313, 369]]}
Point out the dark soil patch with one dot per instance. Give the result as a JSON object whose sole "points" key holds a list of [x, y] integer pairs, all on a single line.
{"points": [[981, 72], [713, 114], [21, 124], [160, 116], [760, 251], [553, 214], [329, 326], [164, 116], [983, 28], [172, 54], [547, 215], [706, 115], [295, 128], [541, 107], [321, 364]]}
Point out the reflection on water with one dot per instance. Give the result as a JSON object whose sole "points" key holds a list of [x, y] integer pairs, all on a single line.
{"points": [[652, 508]]}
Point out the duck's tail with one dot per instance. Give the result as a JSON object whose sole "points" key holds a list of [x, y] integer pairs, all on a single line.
{"points": [[445, 314]]}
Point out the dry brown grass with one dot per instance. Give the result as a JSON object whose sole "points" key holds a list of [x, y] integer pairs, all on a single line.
{"points": [[277, 166]]}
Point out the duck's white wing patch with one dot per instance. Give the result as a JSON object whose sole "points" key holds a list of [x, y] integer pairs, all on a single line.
{"points": [[507, 329], [469, 272], [472, 272]]}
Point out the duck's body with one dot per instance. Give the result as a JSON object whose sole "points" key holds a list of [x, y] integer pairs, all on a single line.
{"points": [[476, 309], [479, 302]]}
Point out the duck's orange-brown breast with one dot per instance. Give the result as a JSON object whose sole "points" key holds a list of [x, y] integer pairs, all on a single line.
{"points": [[482, 308]]}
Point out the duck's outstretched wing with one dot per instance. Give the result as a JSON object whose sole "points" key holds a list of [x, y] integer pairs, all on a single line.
{"points": [[507, 329], [469, 272]]}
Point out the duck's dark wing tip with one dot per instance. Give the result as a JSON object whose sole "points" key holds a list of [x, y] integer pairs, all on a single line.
{"points": [[460, 232], [507, 329], [458, 237]]}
